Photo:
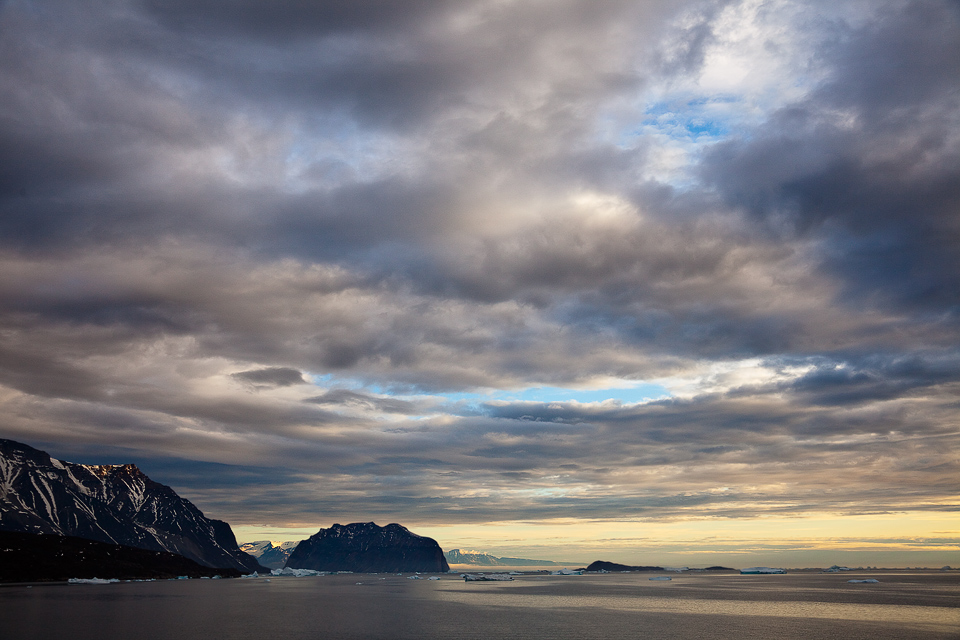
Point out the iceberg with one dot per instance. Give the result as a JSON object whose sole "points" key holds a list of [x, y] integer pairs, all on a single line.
{"points": [[865, 581], [660, 578], [486, 577], [837, 569], [760, 570], [296, 573], [91, 581], [566, 572]]}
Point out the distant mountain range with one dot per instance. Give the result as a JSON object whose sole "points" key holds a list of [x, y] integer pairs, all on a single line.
{"points": [[115, 504], [364, 547], [480, 559], [268, 554]]}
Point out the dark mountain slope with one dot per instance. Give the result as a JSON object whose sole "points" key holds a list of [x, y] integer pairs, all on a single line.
{"points": [[115, 504]]}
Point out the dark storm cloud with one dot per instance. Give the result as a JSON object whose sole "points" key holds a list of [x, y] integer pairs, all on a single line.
{"points": [[273, 377], [870, 162], [877, 378], [129, 111], [292, 19]]}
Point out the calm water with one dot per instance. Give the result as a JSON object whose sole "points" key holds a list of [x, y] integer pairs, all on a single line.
{"points": [[802, 606]]}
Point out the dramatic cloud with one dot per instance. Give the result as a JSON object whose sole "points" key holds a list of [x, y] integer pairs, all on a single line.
{"points": [[452, 262]]}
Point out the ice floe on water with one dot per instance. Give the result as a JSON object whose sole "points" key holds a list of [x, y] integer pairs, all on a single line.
{"points": [[865, 581], [660, 578], [486, 577], [297, 573], [761, 570], [91, 581]]}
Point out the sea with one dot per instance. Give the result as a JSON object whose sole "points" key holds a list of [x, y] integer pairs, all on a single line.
{"points": [[809, 606]]}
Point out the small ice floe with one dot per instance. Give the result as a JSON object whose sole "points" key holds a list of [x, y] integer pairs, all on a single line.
{"points": [[486, 577], [414, 578], [295, 573], [664, 578], [91, 581], [433, 578], [760, 570], [865, 581]]}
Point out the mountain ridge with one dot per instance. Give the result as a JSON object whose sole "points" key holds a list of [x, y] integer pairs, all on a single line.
{"points": [[481, 559], [268, 554], [115, 504]]}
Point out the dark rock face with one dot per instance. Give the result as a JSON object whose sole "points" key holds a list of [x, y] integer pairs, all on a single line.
{"points": [[116, 504], [601, 565], [363, 547], [32, 557]]}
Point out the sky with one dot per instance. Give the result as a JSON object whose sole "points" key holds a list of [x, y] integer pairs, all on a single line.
{"points": [[642, 281]]}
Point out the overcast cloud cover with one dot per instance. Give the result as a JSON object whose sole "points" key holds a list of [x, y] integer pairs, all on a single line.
{"points": [[460, 261]]}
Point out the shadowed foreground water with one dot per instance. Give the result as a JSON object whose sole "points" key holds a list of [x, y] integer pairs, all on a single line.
{"points": [[911, 605]]}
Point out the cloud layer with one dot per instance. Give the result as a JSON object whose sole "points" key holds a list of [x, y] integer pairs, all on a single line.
{"points": [[306, 259]]}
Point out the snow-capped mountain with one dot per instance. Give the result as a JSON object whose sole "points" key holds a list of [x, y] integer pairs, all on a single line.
{"points": [[268, 554], [364, 547], [110, 503], [481, 559]]}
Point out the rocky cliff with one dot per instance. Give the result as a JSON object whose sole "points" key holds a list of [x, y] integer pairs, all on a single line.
{"points": [[115, 504], [364, 547]]}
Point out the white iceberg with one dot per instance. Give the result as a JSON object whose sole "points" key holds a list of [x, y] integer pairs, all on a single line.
{"points": [[836, 569], [295, 573], [91, 581], [486, 577], [760, 570]]}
